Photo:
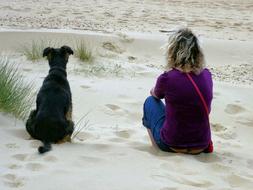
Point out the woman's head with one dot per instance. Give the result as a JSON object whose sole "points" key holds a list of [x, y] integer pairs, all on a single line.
{"points": [[184, 51]]}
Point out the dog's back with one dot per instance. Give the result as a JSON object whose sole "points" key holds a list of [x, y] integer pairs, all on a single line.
{"points": [[53, 99], [48, 122]]}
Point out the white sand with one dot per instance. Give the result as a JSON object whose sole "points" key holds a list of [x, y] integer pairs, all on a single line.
{"points": [[223, 19], [114, 152]]}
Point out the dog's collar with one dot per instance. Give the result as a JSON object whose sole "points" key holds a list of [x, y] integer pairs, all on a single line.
{"points": [[59, 69]]}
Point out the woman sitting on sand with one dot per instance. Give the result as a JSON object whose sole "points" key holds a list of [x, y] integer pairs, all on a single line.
{"points": [[182, 124]]}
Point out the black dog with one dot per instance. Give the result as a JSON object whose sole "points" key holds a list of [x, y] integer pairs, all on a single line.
{"points": [[52, 119]]}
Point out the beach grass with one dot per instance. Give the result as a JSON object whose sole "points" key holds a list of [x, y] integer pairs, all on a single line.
{"points": [[34, 51], [83, 52], [15, 93], [82, 124]]}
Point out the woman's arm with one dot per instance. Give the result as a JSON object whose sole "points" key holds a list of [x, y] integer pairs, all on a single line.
{"points": [[152, 93], [161, 86]]}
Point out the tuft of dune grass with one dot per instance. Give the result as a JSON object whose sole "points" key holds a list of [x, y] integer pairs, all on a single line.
{"points": [[15, 94], [83, 52], [34, 51], [82, 124]]}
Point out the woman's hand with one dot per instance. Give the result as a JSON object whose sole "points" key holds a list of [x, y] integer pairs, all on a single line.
{"points": [[152, 93]]}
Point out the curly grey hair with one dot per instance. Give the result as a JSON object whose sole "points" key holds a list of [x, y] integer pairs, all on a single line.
{"points": [[184, 52]]}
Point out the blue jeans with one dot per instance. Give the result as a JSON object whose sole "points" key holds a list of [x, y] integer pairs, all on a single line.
{"points": [[153, 119]]}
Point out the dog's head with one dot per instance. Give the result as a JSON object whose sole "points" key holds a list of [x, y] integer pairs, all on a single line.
{"points": [[58, 56]]}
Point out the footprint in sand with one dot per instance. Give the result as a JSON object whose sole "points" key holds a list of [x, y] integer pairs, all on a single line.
{"points": [[34, 167], [113, 47], [124, 38], [20, 157], [134, 116], [246, 122], [223, 132], [85, 86], [228, 135], [147, 148], [237, 181], [207, 158], [220, 168], [112, 107], [123, 97], [25, 157], [14, 166], [100, 147], [50, 159], [12, 146], [218, 127], [234, 109], [124, 133], [13, 181], [196, 183]]}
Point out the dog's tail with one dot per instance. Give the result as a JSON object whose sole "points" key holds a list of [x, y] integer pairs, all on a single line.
{"points": [[45, 148]]}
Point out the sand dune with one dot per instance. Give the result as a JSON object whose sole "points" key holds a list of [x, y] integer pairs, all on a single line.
{"points": [[114, 152]]}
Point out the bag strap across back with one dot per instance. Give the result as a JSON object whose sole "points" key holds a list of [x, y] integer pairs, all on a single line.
{"points": [[199, 93]]}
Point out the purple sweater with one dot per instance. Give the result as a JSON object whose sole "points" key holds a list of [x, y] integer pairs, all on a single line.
{"points": [[186, 123]]}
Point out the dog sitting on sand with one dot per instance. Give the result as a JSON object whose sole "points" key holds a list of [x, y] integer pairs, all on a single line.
{"points": [[51, 121]]}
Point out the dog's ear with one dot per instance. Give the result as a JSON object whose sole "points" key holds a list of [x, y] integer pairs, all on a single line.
{"points": [[47, 51], [67, 49]]}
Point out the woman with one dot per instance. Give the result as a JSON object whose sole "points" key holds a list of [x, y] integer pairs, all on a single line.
{"points": [[182, 124]]}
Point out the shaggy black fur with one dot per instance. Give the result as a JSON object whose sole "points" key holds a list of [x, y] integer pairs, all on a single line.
{"points": [[51, 121]]}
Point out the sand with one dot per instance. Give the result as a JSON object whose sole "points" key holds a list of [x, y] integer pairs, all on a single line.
{"points": [[113, 151], [221, 19]]}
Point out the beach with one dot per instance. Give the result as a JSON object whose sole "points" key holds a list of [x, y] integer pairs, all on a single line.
{"points": [[113, 151]]}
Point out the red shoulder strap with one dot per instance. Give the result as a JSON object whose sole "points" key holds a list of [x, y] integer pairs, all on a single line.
{"points": [[209, 149], [199, 93]]}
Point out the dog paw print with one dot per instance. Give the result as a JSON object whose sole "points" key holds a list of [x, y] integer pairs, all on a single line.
{"points": [[20, 157], [12, 146], [14, 166], [34, 167], [11, 180], [50, 159]]}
